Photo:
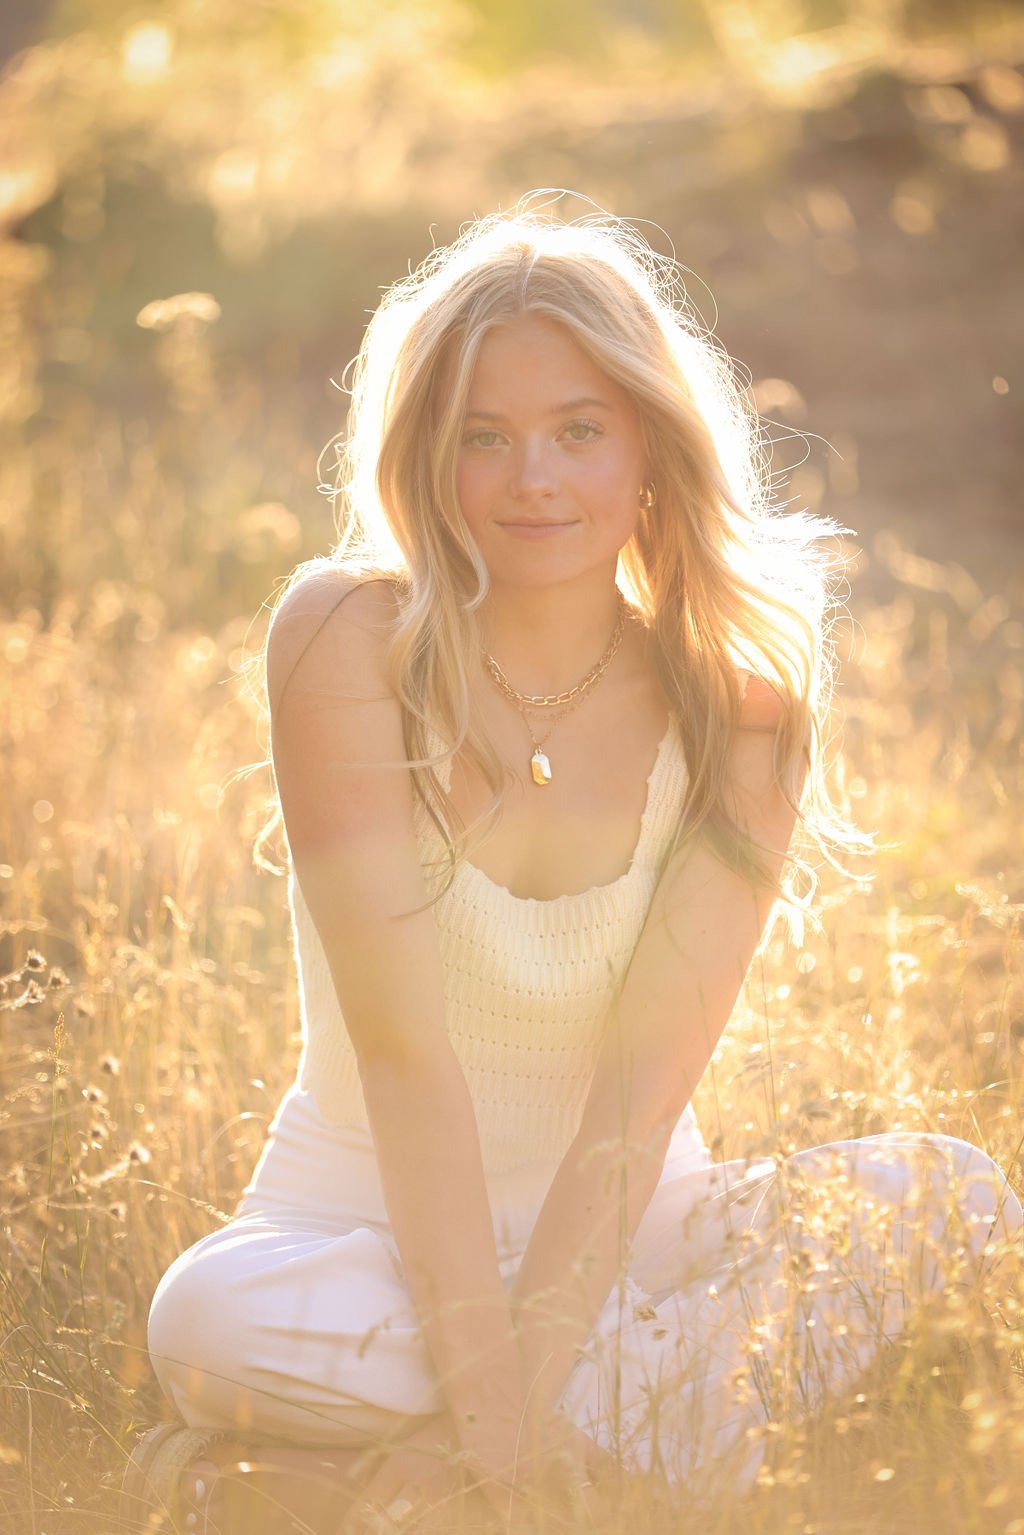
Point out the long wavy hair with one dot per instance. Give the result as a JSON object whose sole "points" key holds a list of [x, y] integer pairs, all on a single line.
{"points": [[726, 581]]}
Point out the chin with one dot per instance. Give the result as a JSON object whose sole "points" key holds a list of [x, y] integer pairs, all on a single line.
{"points": [[532, 575]]}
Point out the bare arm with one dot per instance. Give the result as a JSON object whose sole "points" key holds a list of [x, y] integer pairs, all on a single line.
{"points": [[701, 934], [335, 727]]}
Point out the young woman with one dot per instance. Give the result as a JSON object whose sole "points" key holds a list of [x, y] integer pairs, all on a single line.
{"points": [[542, 727]]}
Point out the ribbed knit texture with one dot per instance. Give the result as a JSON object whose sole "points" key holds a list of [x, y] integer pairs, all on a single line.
{"points": [[527, 986]]}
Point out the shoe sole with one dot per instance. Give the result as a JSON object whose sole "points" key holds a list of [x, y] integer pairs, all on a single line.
{"points": [[152, 1477]]}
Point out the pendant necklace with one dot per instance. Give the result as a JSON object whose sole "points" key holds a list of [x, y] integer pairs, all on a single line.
{"points": [[540, 763]]}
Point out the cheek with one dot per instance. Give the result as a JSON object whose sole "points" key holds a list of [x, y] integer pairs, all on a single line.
{"points": [[614, 485], [471, 487], [618, 495]]}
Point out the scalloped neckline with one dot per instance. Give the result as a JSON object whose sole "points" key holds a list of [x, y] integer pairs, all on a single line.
{"points": [[474, 872]]}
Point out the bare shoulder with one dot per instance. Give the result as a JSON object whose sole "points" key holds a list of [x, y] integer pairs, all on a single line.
{"points": [[336, 722], [332, 619], [752, 769], [761, 707], [346, 796]]}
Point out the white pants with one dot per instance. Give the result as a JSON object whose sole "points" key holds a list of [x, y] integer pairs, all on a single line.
{"points": [[753, 1293]]}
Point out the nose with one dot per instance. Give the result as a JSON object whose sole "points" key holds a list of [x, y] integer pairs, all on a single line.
{"points": [[532, 472]]}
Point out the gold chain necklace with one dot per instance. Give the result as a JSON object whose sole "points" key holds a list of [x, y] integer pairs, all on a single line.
{"points": [[552, 700], [540, 764]]}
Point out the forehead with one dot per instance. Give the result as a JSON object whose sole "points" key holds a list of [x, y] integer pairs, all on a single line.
{"points": [[518, 354]]}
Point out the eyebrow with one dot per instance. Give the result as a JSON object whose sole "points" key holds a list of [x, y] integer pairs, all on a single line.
{"points": [[555, 410]]}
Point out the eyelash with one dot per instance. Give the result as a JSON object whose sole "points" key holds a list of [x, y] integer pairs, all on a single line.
{"points": [[471, 440]]}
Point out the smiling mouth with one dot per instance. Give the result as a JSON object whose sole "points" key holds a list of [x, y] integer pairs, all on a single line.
{"points": [[552, 523]]}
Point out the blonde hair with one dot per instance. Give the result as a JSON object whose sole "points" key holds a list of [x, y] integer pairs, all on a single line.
{"points": [[724, 580]]}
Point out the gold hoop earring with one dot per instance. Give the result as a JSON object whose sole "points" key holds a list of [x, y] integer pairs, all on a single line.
{"points": [[649, 496]]}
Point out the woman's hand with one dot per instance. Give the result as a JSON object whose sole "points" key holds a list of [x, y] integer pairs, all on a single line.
{"points": [[568, 1464], [447, 1471], [576, 1466], [571, 1444], [564, 1465], [437, 1455]]}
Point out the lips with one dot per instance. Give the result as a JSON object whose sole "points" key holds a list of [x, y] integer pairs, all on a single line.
{"points": [[536, 532]]}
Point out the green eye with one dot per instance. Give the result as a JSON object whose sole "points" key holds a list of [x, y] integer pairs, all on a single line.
{"points": [[475, 439], [582, 431]]}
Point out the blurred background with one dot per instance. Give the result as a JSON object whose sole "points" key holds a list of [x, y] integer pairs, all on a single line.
{"points": [[201, 202], [842, 177]]}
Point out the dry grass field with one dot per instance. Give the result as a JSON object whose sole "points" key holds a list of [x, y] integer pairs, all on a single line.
{"points": [[149, 1024], [148, 1007]]}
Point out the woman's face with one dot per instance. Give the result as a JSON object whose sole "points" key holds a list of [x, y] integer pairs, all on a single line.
{"points": [[551, 461]]}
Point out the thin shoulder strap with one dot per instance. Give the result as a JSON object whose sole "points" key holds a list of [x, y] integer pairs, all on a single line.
{"points": [[667, 790]]}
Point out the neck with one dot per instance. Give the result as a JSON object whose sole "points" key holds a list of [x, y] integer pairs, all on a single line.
{"points": [[545, 639]]}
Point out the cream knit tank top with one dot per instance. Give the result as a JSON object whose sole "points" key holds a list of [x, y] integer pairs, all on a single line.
{"points": [[527, 986]]}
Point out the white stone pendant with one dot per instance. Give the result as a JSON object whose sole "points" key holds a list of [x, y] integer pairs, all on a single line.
{"points": [[540, 767]]}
